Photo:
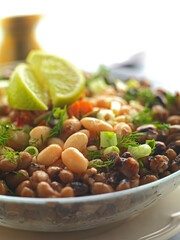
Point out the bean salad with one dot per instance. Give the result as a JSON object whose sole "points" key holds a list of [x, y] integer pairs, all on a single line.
{"points": [[116, 136]]}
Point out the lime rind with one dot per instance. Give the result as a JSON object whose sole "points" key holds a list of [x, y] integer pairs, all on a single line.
{"points": [[24, 91]]}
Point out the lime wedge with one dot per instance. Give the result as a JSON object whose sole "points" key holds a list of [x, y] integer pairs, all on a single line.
{"points": [[64, 81], [24, 91]]}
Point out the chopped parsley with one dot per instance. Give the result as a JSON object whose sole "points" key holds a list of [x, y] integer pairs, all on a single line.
{"points": [[146, 117], [60, 115]]}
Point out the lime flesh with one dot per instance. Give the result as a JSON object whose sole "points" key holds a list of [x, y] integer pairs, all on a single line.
{"points": [[64, 81], [24, 91]]}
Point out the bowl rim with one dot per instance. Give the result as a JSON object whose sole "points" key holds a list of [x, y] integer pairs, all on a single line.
{"points": [[89, 198]]}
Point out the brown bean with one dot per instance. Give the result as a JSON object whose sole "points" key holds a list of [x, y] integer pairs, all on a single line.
{"points": [[45, 190], [70, 126], [175, 119], [3, 188], [27, 192], [13, 179], [123, 185], [159, 163], [100, 177], [35, 167], [171, 154], [80, 189], [148, 179], [7, 165], [66, 176], [99, 188], [67, 192], [39, 176], [56, 186], [130, 167], [53, 172], [19, 140], [24, 161], [22, 185]]}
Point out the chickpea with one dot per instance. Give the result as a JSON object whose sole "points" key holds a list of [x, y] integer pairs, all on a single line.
{"points": [[85, 131], [92, 148], [122, 129], [49, 155], [74, 160], [77, 140]]}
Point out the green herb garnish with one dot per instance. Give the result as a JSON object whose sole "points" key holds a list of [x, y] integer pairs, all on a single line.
{"points": [[145, 96], [5, 135], [146, 117], [171, 100], [94, 154], [152, 144], [19, 174], [8, 189], [143, 117], [61, 115], [129, 140], [11, 155], [99, 164]]}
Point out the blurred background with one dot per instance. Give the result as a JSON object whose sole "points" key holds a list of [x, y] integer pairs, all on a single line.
{"points": [[93, 32]]}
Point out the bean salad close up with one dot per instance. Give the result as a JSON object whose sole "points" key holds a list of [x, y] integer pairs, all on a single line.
{"points": [[116, 136]]}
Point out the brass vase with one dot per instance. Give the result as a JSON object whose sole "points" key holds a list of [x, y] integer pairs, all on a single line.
{"points": [[18, 37]]}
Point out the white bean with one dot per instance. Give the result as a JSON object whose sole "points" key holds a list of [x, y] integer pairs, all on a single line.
{"points": [[77, 140], [49, 155], [74, 160], [96, 125]]}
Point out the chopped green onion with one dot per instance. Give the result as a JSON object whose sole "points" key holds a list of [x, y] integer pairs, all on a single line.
{"points": [[111, 149], [140, 151], [108, 139], [115, 107], [106, 115], [97, 85], [133, 83], [32, 150]]}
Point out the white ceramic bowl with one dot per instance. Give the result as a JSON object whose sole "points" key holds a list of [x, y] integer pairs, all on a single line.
{"points": [[80, 213]]}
